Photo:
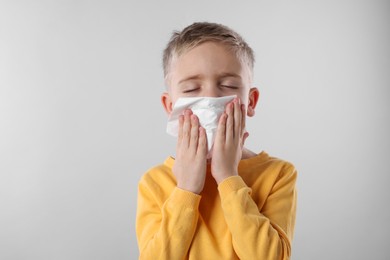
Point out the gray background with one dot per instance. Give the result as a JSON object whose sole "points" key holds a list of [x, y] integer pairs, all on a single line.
{"points": [[81, 119]]}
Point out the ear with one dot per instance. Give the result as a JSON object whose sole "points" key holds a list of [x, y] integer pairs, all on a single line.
{"points": [[253, 98], [166, 102]]}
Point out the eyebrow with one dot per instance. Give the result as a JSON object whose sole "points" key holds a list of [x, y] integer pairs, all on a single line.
{"points": [[227, 74], [222, 75], [190, 78]]}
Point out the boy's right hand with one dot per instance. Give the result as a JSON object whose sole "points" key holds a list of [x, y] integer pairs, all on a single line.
{"points": [[191, 154]]}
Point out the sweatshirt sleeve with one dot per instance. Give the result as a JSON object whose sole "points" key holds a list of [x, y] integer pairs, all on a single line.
{"points": [[265, 233], [165, 232]]}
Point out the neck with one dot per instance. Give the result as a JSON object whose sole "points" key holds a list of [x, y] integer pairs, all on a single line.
{"points": [[246, 154]]}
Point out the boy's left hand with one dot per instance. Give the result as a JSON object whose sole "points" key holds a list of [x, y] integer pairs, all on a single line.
{"points": [[229, 142]]}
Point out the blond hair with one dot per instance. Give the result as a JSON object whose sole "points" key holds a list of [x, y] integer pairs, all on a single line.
{"points": [[198, 33]]}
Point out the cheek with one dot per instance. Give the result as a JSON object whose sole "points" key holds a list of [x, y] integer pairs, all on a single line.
{"points": [[175, 95], [244, 95]]}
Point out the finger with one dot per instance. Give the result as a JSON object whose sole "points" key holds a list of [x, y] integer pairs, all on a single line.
{"points": [[180, 132], [202, 144], [186, 128], [194, 133], [243, 119], [237, 119], [230, 121], [221, 129], [246, 134]]}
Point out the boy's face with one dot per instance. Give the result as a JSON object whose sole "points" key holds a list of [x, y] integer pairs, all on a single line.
{"points": [[209, 70]]}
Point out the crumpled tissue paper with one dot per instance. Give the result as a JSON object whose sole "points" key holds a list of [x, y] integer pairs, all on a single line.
{"points": [[207, 109]]}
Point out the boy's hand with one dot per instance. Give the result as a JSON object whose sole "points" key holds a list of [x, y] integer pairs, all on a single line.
{"points": [[229, 142], [191, 153]]}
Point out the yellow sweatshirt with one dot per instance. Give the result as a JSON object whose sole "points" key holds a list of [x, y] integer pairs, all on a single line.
{"points": [[250, 216]]}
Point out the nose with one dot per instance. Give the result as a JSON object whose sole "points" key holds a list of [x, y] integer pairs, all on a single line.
{"points": [[211, 90]]}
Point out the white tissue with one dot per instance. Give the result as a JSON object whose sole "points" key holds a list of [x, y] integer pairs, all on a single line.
{"points": [[208, 110]]}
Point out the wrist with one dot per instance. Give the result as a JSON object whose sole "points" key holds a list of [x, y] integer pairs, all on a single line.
{"points": [[192, 189], [221, 177]]}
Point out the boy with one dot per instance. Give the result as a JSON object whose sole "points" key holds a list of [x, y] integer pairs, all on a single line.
{"points": [[235, 205]]}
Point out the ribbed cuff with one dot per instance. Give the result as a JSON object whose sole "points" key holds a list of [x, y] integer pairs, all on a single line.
{"points": [[185, 198], [231, 184]]}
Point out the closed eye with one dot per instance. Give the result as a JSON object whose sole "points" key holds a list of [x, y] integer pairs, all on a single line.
{"points": [[231, 87], [190, 90]]}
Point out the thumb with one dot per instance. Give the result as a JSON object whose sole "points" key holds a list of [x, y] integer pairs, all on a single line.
{"points": [[246, 135]]}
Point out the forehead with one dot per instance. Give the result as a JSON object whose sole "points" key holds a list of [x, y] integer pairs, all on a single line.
{"points": [[207, 59]]}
